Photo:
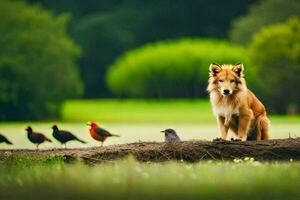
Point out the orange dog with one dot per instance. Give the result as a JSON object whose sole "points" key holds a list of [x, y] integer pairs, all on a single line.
{"points": [[234, 105]]}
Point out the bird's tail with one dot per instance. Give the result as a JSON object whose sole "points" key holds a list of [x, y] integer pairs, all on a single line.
{"points": [[47, 139], [8, 142], [84, 142], [115, 135]]}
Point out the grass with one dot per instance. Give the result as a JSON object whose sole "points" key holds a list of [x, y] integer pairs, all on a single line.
{"points": [[147, 111], [137, 111], [50, 178]]}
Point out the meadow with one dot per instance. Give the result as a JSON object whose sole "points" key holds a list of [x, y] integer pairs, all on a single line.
{"points": [[50, 178], [140, 120], [147, 111]]}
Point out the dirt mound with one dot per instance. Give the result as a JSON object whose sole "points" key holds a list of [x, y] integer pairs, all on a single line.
{"points": [[191, 151]]}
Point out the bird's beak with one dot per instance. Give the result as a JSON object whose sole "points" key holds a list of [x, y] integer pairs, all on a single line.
{"points": [[163, 131], [88, 123]]}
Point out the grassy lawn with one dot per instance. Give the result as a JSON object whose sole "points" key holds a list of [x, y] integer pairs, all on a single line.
{"points": [[137, 111], [49, 178], [147, 111]]}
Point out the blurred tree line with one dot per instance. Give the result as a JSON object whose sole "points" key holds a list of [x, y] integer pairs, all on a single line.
{"points": [[107, 28], [51, 50]]}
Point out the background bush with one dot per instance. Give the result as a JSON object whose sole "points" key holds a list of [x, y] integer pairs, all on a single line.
{"points": [[176, 68], [37, 62], [275, 51], [264, 13]]}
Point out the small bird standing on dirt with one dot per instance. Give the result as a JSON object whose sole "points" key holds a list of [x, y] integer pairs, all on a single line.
{"points": [[171, 135], [98, 133], [36, 138], [4, 139], [64, 136]]}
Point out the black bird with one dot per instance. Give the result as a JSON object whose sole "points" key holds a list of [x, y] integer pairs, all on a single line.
{"points": [[35, 137], [4, 139], [64, 136]]}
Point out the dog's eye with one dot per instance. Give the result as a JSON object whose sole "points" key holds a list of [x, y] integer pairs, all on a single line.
{"points": [[220, 81], [232, 81]]}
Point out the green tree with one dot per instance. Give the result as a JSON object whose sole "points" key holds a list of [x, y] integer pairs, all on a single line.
{"points": [[37, 62], [275, 51], [102, 38], [261, 14]]}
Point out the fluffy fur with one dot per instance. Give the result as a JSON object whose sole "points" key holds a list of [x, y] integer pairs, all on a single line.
{"points": [[234, 105]]}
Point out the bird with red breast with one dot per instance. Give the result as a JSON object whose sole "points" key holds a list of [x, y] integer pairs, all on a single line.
{"points": [[98, 133]]}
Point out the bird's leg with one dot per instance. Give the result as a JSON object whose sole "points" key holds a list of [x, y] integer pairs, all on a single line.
{"points": [[101, 144], [65, 145], [37, 147]]}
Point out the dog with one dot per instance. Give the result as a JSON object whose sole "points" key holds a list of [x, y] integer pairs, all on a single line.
{"points": [[234, 105]]}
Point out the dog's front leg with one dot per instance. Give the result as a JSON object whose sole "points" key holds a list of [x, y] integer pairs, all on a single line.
{"points": [[227, 121], [222, 128], [244, 124]]}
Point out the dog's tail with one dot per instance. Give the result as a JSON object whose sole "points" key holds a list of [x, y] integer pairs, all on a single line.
{"points": [[263, 127]]}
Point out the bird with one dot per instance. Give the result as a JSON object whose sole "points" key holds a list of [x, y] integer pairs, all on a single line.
{"points": [[64, 136], [35, 137], [4, 139], [171, 135], [98, 133]]}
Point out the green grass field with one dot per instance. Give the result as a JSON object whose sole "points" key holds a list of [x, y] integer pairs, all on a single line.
{"points": [[138, 111], [139, 120], [146, 111], [49, 178]]}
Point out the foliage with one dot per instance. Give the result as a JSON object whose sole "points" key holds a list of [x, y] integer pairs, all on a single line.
{"points": [[129, 179], [102, 38], [275, 51], [261, 14], [37, 62], [106, 29], [176, 68]]}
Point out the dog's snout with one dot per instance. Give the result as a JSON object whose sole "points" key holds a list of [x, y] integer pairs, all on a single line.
{"points": [[226, 91]]}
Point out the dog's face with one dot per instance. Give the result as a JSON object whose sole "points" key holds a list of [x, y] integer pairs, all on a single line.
{"points": [[226, 78]]}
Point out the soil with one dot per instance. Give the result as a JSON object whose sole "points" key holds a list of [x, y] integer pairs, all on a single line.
{"points": [[191, 151]]}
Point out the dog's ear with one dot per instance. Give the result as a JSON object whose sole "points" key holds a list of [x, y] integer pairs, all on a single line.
{"points": [[239, 69], [214, 69]]}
